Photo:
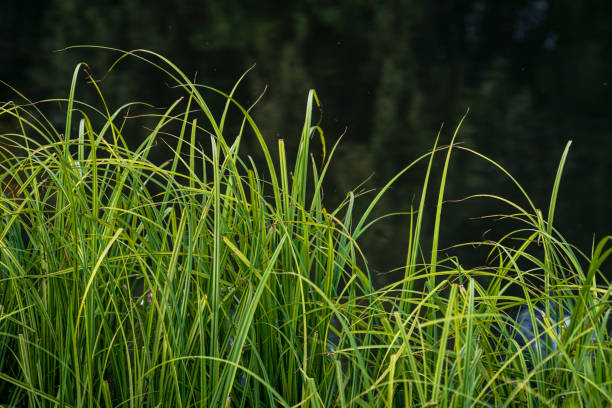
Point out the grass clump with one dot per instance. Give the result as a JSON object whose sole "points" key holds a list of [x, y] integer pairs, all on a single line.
{"points": [[207, 281]]}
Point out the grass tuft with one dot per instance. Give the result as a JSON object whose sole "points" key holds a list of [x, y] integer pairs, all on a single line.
{"points": [[208, 281]]}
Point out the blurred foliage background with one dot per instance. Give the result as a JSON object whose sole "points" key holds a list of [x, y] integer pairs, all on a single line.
{"points": [[534, 74]]}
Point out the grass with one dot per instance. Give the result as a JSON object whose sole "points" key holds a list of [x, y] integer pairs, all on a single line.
{"points": [[207, 281]]}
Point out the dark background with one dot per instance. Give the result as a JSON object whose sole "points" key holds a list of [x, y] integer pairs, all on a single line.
{"points": [[534, 75]]}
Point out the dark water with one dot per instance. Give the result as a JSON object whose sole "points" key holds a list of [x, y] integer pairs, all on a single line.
{"points": [[534, 75]]}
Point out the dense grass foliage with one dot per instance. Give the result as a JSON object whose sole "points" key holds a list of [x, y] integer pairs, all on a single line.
{"points": [[207, 281]]}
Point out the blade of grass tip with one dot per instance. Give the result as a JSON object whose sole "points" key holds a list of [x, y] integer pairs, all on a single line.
{"points": [[116, 132], [413, 249], [555, 191], [301, 163], [262, 144], [231, 97], [507, 174], [183, 81], [181, 138], [343, 242], [316, 201], [549, 252], [75, 75], [284, 178], [109, 118], [436, 232], [360, 228], [431, 279], [180, 78], [67, 130]]}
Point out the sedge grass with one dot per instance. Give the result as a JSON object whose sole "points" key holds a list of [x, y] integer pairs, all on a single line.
{"points": [[207, 281]]}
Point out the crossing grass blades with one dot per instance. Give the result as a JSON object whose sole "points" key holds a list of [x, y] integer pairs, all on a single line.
{"points": [[209, 280]]}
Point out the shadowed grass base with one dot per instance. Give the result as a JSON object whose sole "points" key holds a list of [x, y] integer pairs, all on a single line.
{"points": [[209, 281]]}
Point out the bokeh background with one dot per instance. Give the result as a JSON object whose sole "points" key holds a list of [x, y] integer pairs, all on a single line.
{"points": [[533, 73]]}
